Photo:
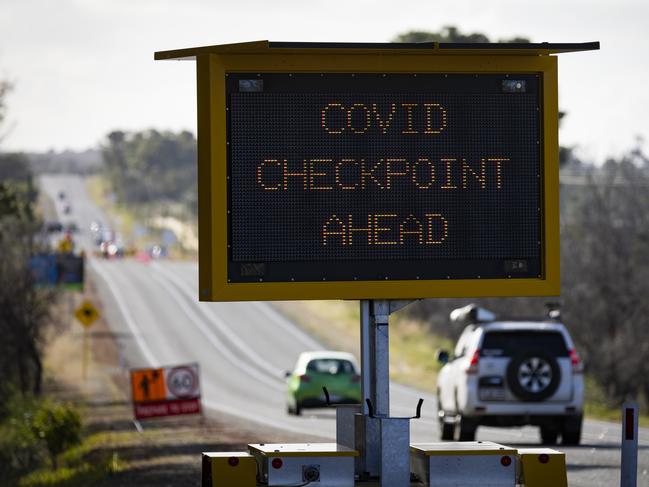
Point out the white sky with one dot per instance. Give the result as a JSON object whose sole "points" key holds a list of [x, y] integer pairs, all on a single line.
{"points": [[85, 67]]}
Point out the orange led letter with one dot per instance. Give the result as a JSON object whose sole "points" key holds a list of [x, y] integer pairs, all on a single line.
{"points": [[325, 118], [436, 128], [338, 230], [262, 180], [409, 108], [437, 220]]}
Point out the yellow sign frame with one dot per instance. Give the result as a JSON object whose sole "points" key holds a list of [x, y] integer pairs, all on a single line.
{"points": [[213, 63]]}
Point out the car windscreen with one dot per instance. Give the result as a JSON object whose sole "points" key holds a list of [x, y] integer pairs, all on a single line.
{"points": [[510, 343], [331, 366]]}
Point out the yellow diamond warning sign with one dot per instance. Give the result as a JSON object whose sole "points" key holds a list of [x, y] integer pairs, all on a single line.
{"points": [[87, 314]]}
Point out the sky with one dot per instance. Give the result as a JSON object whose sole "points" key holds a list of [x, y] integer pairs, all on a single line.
{"points": [[82, 68]]}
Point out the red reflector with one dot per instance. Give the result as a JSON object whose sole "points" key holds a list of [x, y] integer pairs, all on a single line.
{"points": [[277, 463], [473, 364], [506, 461], [305, 378], [233, 461], [356, 378], [544, 458], [575, 360]]}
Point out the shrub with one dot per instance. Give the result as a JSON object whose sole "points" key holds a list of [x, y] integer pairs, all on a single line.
{"points": [[58, 426], [20, 450]]}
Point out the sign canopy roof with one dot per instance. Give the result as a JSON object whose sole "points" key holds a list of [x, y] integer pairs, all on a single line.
{"points": [[422, 48]]}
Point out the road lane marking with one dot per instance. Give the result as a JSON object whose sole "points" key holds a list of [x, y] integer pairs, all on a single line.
{"points": [[287, 326], [126, 314], [264, 420], [265, 366], [212, 338], [305, 428]]}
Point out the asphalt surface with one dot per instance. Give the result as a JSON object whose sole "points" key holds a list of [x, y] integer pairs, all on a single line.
{"points": [[244, 348]]}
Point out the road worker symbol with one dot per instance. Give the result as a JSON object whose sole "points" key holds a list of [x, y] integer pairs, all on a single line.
{"points": [[148, 385], [87, 314]]}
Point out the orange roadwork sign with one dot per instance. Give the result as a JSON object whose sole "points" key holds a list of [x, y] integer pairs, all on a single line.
{"points": [[166, 391], [148, 385]]}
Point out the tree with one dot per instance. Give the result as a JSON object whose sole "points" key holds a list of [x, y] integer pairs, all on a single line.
{"points": [[450, 33], [605, 264], [24, 310], [151, 166], [5, 88]]}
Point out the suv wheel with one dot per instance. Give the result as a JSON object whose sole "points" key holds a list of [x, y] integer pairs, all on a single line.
{"points": [[467, 429], [533, 376], [446, 430], [571, 430], [549, 435]]}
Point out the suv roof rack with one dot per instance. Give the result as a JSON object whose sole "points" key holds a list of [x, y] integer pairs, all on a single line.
{"points": [[471, 314]]}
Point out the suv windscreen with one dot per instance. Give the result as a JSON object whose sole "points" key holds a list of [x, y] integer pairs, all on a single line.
{"points": [[510, 343], [331, 366]]}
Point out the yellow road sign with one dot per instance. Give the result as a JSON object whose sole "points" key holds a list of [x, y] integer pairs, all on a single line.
{"points": [[65, 246], [87, 314]]}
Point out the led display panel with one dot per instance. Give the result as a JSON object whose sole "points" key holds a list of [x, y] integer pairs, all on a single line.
{"points": [[371, 177]]}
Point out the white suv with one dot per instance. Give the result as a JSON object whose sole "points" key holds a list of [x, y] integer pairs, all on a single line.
{"points": [[510, 373]]}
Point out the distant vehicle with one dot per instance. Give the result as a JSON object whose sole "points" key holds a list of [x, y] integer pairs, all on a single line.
{"points": [[511, 373], [53, 227], [156, 251], [61, 195], [337, 371], [111, 249], [72, 228], [96, 227]]}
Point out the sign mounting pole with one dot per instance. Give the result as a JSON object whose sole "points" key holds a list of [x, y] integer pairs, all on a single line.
{"points": [[375, 377]]}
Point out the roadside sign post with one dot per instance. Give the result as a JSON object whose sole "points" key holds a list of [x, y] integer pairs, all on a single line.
{"points": [[86, 314], [379, 172], [387, 171], [629, 463], [375, 391], [166, 391], [60, 270]]}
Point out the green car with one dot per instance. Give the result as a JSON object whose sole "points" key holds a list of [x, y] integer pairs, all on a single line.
{"points": [[337, 371]]}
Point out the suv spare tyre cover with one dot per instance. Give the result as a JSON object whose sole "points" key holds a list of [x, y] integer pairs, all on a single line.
{"points": [[533, 375]]}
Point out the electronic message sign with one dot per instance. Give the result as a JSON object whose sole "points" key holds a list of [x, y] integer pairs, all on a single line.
{"points": [[337, 171], [334, 177]]}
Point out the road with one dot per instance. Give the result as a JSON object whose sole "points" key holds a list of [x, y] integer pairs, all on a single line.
{"points": [[244, 348]]}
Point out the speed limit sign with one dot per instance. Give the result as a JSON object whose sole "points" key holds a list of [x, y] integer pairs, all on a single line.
{"points": [[182, 382]]}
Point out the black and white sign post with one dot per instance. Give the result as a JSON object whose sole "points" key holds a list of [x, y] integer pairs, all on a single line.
{"points": [[629, 467]]}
